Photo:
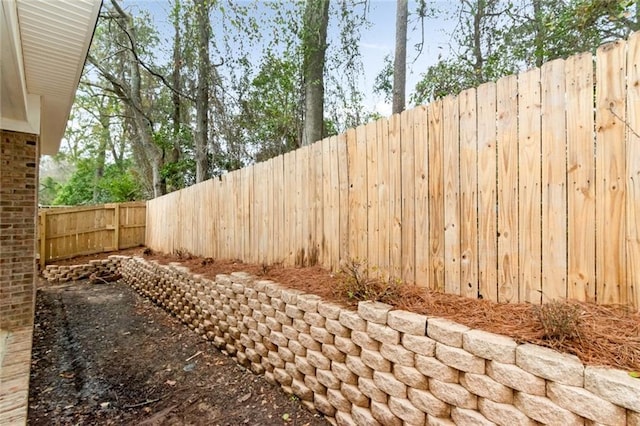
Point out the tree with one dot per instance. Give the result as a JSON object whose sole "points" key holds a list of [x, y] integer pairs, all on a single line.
{"points": [[202, 8], [171, 124], [480, 54], [169, 170], [48, 191], [556, 29], [499, 37], [383, 84], [400, 61], [113, 187], [314, 45], [272, 111], [125, 80], [391, 80], [444, 78]]}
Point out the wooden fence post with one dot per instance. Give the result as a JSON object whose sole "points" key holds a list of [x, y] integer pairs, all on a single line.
{"points": [[116, 226], [43, 238]]}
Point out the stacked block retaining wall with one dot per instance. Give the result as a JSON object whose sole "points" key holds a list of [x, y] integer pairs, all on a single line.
{"points": [[382, 366], [55, 274]]}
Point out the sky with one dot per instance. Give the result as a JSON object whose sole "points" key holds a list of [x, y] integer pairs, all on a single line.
{"points": [[379, 40], [376, 42]]}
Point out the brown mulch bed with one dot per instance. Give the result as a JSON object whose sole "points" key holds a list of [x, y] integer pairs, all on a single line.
{"points": [[597, 334]]}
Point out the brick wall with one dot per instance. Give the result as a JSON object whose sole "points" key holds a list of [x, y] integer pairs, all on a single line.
{"points": [[18, 208], [377, 366]]}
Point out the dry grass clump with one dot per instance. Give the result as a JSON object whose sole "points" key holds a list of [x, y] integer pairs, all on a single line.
{"points": [[560, 321], [357, 282]]}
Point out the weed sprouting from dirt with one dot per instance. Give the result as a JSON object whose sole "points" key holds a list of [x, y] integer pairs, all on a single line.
{"points": [[359, 282], [560, 320]]}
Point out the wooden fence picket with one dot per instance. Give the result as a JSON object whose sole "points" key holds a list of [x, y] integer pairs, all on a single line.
{"points": [[507, 174], [468, 194], [451, 187], [633, 170], [514, 191], [580, 179], [610, 173], [487, 200]]}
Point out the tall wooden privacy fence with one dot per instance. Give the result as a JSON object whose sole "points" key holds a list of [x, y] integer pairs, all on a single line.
{"points": [[526, 189], [67, 232]]}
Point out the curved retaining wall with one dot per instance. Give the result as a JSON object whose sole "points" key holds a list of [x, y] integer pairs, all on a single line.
{"points": [[55, 274], [382, 366]]}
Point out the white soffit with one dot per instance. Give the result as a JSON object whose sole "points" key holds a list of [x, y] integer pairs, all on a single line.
{"points": [[55, 36], [13, 90]]}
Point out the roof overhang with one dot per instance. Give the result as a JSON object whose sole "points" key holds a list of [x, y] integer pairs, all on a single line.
{"points": [[43, 48]]}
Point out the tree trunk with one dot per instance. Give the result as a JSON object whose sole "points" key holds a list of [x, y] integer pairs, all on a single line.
{"points": [[400, 62], [141, 121], [539, 33], [142, 157], [105, 138], [478, 65], [202, 91], [314, 46], [176, 77]]}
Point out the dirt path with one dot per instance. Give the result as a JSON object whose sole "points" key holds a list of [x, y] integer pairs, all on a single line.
{"points": [[104, 355]]}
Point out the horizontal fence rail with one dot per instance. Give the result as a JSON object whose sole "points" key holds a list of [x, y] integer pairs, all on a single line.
{"points": [[522, 190], [64, 233]]}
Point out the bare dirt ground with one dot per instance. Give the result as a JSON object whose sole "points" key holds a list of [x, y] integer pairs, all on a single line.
{"points": [[104, 355]]}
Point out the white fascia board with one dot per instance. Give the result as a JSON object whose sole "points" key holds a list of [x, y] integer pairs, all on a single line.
{"points": [[12, 58], [31, 124]]}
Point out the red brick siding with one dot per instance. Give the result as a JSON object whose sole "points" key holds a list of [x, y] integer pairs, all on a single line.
{"points": [[18, 211]]}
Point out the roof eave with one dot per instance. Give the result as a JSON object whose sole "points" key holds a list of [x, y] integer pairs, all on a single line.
{"points": [[40, 99]]}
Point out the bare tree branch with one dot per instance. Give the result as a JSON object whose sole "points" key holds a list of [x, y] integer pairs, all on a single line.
{"points": [[120, 88], [133, 49]]}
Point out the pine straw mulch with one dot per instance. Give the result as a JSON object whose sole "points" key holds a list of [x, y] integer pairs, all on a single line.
{"points": [[596, 334]]}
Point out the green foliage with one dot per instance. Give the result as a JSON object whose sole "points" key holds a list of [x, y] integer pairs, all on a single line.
{"points": [[383, 84], [179, 174], [499, 37], [119, 186], [448, 77], [330, 128], [83, 187], [140, 106], [49, 188], [478, 52], [272, 113], [343, 68], [78, 189]]}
